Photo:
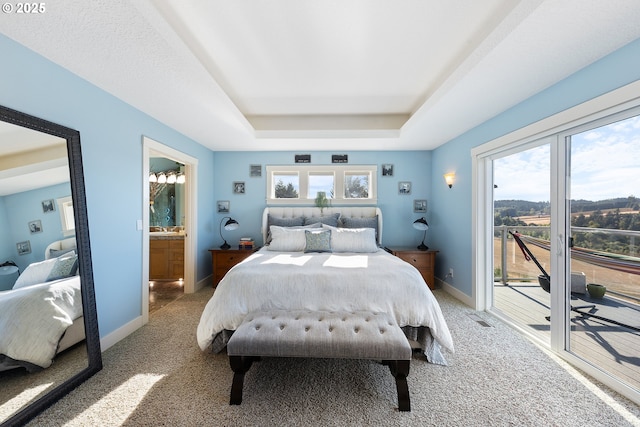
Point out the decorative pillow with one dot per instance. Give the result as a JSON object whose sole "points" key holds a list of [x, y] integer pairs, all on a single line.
{"points": [[353, 239], [331, 220], [35, 273], [317, 240], [63, 267], [287, 239], [371, 222], [281, 222]]}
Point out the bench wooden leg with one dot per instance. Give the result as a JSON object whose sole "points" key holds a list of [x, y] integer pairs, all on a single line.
{"points": [[240, 365], [400, 371]]}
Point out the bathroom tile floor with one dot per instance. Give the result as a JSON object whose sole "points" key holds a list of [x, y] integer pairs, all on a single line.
{"points": [[162, 292]]}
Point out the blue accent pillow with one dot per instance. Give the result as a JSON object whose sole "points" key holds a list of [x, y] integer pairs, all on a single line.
{"points": [[331, 220], [64, 267], [281, 222], [317, 240]]}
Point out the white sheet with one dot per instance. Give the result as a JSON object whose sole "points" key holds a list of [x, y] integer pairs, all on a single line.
{"points": [[329, 281], [33, 319]]}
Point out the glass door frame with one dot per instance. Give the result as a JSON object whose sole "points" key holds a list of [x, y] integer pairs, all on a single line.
{"points": [[620, 102]]}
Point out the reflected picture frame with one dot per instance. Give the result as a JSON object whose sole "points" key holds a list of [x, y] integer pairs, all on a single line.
{"points": [[48, 206], [23, 248], [404, 188]]}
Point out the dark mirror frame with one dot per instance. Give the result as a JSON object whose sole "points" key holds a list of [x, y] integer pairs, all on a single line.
{"points": [[84, 261]]}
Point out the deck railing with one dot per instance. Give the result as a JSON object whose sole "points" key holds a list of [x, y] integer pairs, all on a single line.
{"points": [[502, 232]]}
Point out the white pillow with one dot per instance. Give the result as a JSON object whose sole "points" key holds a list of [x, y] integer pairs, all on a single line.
{"points": [[287, 239], [352, 239], [35, 273]]}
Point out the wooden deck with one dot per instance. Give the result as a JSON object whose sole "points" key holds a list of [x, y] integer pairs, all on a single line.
{"points": [[603, 343]]}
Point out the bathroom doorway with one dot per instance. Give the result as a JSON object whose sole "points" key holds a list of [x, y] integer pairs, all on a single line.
{"points": [[169, 219]]}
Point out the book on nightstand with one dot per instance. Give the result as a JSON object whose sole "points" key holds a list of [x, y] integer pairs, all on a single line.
{"points": [[246, 243]]}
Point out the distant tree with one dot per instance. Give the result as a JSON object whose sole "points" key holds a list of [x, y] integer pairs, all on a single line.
{"points": [[285, 191], [355, 188]]}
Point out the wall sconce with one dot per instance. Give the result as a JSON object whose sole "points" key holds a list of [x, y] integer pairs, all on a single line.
{"points": [[421, 224], [231, 224], [450, 178]]}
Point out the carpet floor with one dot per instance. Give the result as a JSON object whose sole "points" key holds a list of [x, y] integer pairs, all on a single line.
{"points": [[158, 376]]}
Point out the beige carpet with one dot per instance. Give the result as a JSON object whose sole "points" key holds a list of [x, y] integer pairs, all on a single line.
{"points": [[158, 376]]}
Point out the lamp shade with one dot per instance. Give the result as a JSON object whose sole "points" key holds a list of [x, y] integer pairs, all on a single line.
{"points": [[231, 224], [421, 224]]}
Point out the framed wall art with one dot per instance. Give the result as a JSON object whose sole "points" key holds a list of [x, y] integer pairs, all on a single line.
{"points": [[404, 187]]}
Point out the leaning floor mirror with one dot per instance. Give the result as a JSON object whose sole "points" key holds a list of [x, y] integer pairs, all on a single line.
{"points": [[49, 340]]}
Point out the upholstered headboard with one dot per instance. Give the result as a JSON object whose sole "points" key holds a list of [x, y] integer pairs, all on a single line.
{"points": [[60, 245], [308, 212]]}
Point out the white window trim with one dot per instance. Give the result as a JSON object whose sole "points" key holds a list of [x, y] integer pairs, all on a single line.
{"points": [[338, 171], [68, 224]]}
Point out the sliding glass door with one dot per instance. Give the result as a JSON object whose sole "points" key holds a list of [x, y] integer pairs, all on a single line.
{"points": [[604, 213], [566, 243]]}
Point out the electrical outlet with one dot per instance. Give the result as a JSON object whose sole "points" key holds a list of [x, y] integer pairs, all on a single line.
{"points": [[451, 273]]}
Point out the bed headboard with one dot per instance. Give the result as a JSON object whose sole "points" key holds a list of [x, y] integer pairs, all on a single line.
{"points": [[60, 245], [308, 211]]}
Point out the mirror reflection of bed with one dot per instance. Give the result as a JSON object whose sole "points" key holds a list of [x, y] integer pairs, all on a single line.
{"points": [[42, 336]]}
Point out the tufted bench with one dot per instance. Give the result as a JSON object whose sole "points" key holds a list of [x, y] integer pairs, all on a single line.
{"points": [[320, 334]]}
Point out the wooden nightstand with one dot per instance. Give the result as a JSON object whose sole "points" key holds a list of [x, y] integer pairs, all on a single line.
{"points": [[424, 261], [224, 259]]}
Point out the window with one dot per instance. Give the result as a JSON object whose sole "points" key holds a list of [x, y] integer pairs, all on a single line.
{"points": [[342, 184], [67, 219]]}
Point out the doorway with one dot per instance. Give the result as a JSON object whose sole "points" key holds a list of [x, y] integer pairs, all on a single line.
{"points": [[173, 225]]}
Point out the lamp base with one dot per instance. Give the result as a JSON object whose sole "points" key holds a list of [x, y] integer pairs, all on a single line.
{"points": [[225, 245], [423, 247]]}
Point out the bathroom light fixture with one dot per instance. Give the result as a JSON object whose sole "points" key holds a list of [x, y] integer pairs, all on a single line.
{"points": [[421, 224], [167, 177], [450, 178], [231, 224]]}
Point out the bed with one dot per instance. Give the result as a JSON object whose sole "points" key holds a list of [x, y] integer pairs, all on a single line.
{"points": [[42, 315], [355, 273]]}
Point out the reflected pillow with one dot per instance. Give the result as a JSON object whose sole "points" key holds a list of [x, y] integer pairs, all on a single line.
{"points": [[35, 273], [361, 240], [317, 240], [63, 267], [55, 253]]}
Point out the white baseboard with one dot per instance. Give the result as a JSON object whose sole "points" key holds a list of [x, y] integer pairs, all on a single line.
{"points": [[207, 281], [455, 292], [120, 333]]}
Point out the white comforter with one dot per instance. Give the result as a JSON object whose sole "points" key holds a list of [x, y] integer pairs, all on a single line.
{"points": [[34, 318], [333, 281]]}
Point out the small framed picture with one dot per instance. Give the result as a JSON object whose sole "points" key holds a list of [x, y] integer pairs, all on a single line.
{"points": [[420, 206], [48, 206], [223, 206], [387, 169], [35, 226], [23, 247], [404, 187], [255, 171], [238, 187]]}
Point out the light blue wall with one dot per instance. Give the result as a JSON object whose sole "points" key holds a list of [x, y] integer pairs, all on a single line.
{"points": [[25, 207], [452, 217], [111, 135], [397, 210]]}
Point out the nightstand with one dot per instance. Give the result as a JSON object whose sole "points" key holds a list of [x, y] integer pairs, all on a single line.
{"points": [[424, 261], [224, 259]]}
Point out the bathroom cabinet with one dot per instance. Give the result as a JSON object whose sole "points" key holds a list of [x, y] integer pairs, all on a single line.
{"points": [[166, 259]]}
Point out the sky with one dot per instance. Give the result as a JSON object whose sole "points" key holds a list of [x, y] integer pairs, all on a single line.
{"points": [[605, 164]]}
